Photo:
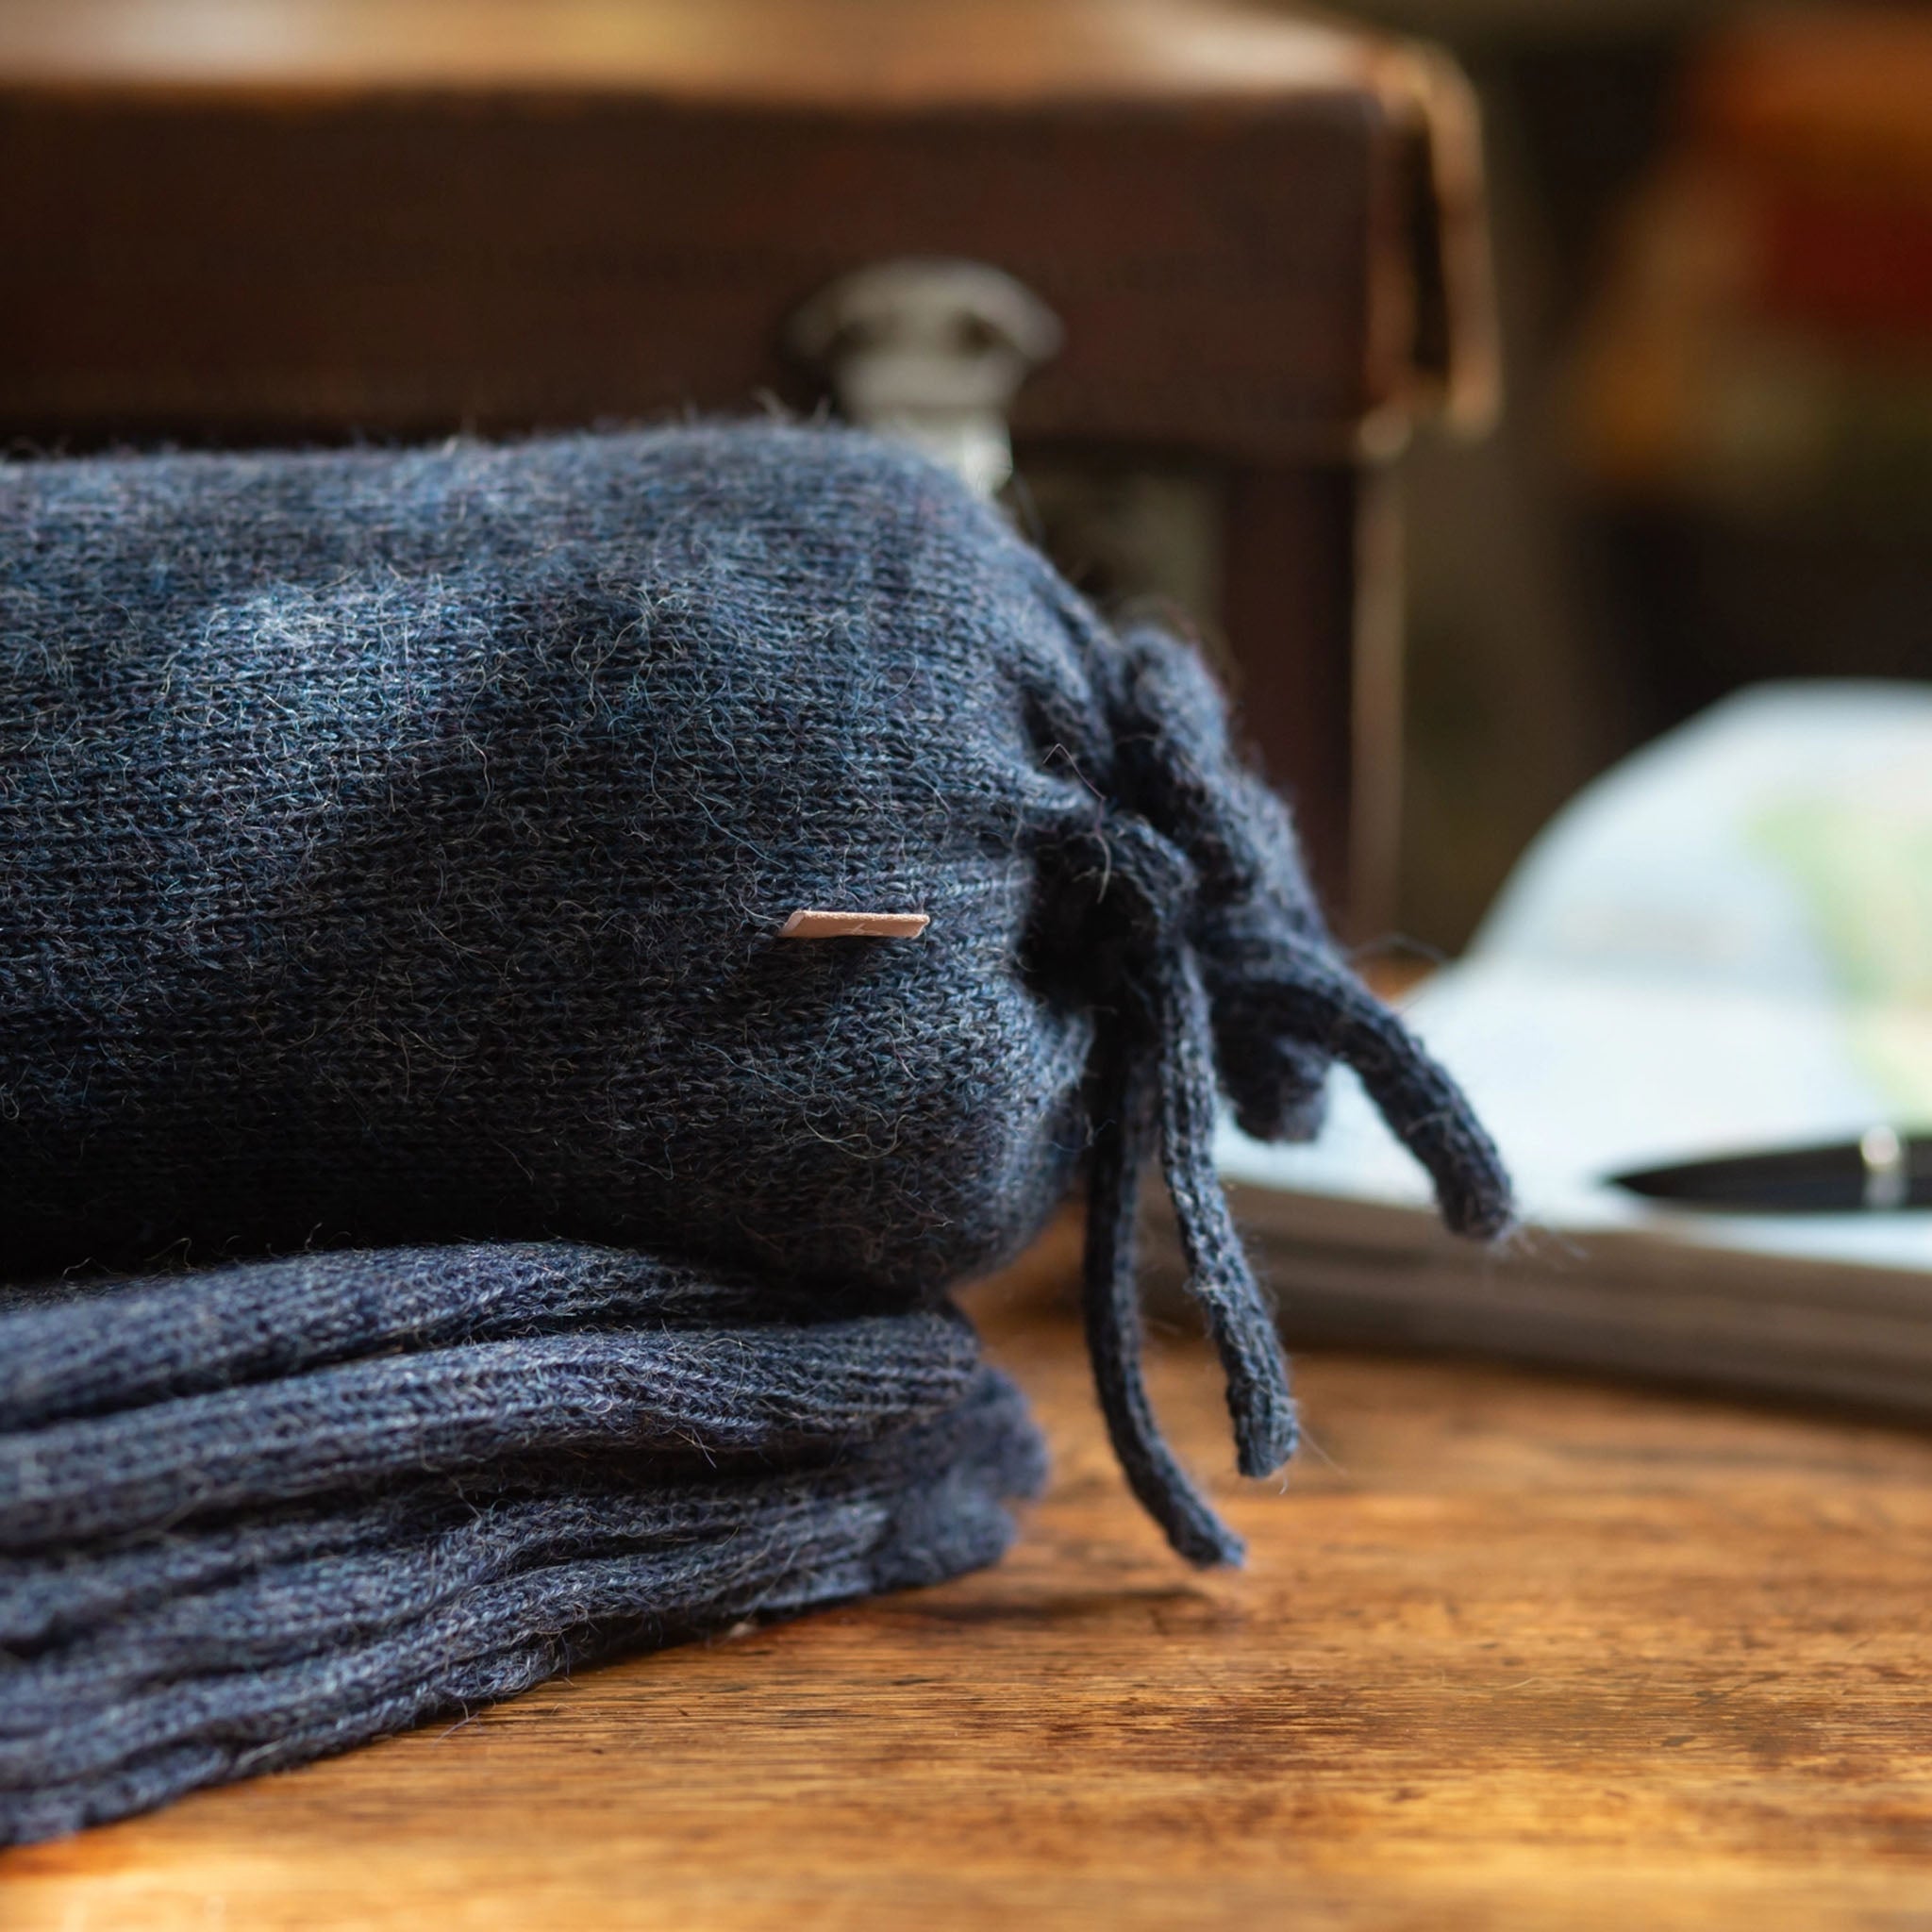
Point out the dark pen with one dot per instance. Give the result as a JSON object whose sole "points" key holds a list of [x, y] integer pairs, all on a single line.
{"points": [[1881, 1172]]}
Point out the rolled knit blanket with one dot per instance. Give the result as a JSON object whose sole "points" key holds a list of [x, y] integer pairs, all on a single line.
{"points": [[399, 855]]}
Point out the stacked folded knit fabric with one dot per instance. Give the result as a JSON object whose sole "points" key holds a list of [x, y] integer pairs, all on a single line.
{"points": [[398, 856], [273, 1509]]}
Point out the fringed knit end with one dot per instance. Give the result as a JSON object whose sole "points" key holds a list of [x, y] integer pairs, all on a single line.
{"points": [[1224, 981]]}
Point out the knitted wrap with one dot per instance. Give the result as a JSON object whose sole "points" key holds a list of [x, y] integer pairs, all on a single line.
{"points": [[395, 849], [398, 1483]]}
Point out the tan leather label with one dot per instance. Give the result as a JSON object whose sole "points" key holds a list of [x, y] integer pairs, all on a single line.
{"points": [[805, 925]]}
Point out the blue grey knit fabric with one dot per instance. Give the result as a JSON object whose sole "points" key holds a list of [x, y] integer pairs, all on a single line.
{"points": [[382, 1523], [772, 1391], [394, 850]]}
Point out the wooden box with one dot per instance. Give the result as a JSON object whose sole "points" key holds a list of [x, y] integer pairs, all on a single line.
{"points": [[256, 219]]}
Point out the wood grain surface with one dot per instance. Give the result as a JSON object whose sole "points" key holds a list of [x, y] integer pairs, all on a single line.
{"points": [[1511, 1650]]}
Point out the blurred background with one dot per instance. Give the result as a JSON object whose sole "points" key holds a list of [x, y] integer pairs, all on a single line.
{"points": [[1713, 231], [1711, 283]]}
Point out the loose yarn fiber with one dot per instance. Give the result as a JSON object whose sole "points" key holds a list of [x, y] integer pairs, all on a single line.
{"points": [[394, 848]]}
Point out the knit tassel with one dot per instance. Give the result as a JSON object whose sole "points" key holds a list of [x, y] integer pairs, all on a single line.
{"points": [[1221, 977], [1124, 1139]]}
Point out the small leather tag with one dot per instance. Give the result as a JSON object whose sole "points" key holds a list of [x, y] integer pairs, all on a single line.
{"points": [[854, 926]]}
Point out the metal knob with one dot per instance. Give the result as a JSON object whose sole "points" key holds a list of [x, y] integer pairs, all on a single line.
{"points": [[933, 351]]}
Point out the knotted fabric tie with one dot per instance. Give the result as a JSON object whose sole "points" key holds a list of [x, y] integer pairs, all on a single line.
{"points": [[1219, 977]]}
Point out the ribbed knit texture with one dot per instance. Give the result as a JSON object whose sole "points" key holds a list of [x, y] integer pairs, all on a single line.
{"points": [[374, 1522], [393, 852]]}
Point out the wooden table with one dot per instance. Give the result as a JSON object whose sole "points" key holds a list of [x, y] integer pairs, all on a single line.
{"points": [[1511, 1650]]}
